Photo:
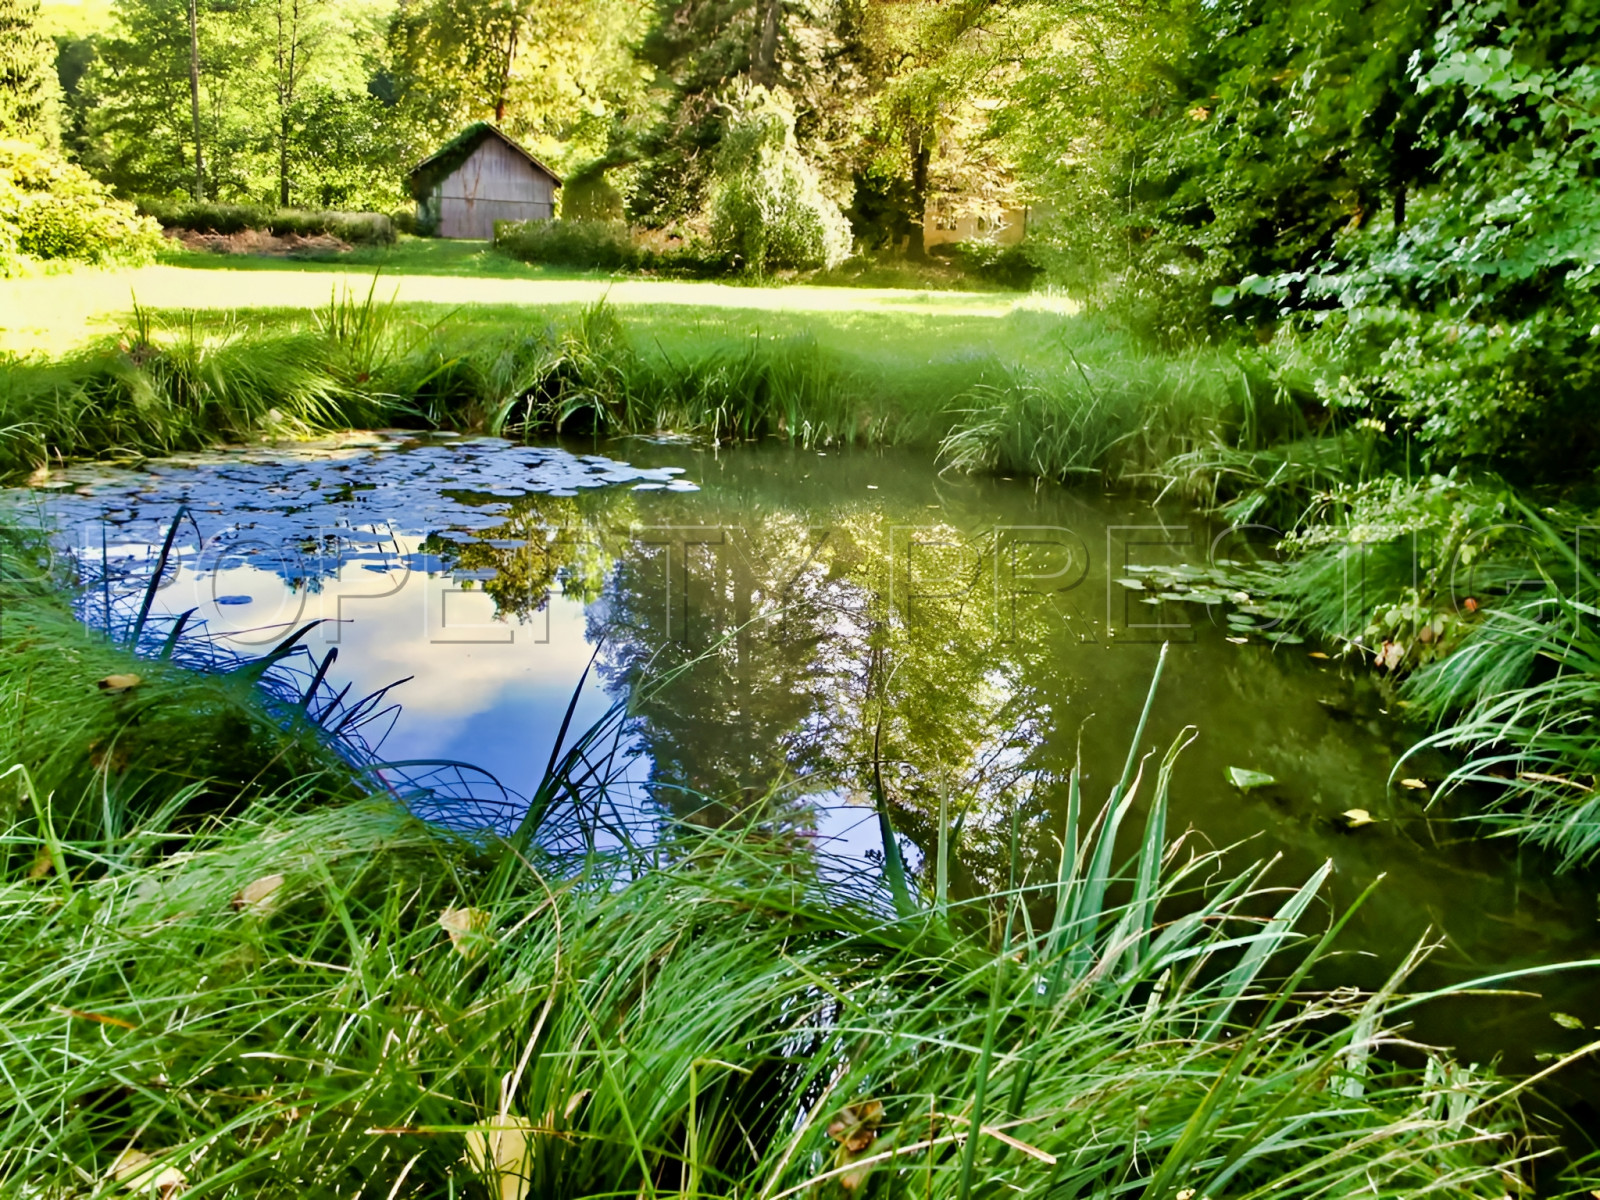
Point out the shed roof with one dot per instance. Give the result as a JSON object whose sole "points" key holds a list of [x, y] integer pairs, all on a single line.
{"points": [[458, 149]]}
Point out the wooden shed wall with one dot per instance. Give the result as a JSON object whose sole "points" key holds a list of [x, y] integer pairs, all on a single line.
{"points": [[494, 184]]}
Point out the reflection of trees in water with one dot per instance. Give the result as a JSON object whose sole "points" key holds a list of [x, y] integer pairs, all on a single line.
{"points": [[548, 544], [795, 645], [790, 639]]}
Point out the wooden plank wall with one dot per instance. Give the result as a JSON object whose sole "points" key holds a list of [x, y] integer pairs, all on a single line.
{"points": [[494, 184]]}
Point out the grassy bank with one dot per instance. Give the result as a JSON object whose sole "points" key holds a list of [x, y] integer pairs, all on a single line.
{"points": [[1504, 668], [1029, 392], [293, 991]]}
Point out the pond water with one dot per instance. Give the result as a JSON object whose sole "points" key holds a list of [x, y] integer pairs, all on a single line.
{"points": [[796, 612]]}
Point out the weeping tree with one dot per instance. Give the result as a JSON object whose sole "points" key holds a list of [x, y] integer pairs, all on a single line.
{"points": [[28, 86], [768, 209]]}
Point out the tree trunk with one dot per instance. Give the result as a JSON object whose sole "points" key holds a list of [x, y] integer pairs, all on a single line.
{"points": [[765, 68], [194, 98], [288, 68], [283, 161], [921, 153], [505, 77]]}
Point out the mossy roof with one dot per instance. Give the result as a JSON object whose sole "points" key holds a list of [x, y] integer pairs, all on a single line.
{"points": [[437, 166]]}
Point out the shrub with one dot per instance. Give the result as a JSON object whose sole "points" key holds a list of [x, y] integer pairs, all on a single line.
{"points": [[604, 244], [768, 210], [362, 229], [1004, 266], [51, 209]]}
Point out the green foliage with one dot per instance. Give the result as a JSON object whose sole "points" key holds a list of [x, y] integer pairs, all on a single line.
{"points": [[553, 74], [768, 210], [50, 209], [284, 102], [1004, 266], [607, 245], [29, 90], [361, 229], [1478, 317], [316, 995]]}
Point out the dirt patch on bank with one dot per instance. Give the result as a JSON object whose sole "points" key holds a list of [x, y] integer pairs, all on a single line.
{"points": [[256, 241]]}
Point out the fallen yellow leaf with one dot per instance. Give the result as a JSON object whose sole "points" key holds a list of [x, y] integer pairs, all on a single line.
{"points": [[1416, 785], [141, 1172], [466, 927], [1312, 654], [1355, 818], [117, 684], [260, 896], [500, 1149]]}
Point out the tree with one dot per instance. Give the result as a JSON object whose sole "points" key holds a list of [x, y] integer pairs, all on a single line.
{"points": [[552, 72], [768, 209], [28, 86], [701, 52]]}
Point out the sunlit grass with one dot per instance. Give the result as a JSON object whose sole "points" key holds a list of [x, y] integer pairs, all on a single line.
{"points": [[306, 997], [54, 313]]}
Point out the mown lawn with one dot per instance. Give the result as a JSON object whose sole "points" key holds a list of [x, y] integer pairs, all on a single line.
{"points": [[53, 313]]}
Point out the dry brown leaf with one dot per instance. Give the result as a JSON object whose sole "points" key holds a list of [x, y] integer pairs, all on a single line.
{"points": [[856, 1125], [141, 1172], [577, 1099], [43, 864], [500, 1149], [855, 1129], [117, 684], [101, 1018], [466, 927], [260, 896]]}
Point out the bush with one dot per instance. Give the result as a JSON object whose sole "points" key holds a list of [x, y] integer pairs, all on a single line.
{"points": [[51, 209], [361, 229], [606, 245], [1004, 266], [768, 210]]}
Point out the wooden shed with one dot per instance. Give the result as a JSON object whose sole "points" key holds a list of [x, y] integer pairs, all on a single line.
{"points": [[479, 177]]}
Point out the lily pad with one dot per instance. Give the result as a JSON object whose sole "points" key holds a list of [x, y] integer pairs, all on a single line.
{"points": [[1247, 780]]}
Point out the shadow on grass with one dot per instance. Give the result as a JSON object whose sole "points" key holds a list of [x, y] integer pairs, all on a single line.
{"points": [[409, 256]]}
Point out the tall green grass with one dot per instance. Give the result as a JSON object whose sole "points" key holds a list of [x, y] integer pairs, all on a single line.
{"points": [[1087, 400], [324, 999]]}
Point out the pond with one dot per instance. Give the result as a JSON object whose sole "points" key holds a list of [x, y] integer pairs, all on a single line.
{"points": [[783, 619]]}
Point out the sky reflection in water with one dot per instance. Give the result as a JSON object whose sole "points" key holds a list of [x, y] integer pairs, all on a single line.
{"points": [[793, 598]]}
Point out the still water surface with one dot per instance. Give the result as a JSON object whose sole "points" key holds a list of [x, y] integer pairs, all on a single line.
{"points": [[807, 610]]}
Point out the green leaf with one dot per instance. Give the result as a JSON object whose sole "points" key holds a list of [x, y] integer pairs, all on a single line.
{"points": [[1246, 780]]}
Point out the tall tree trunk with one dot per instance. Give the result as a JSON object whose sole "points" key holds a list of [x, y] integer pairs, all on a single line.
{"points": [[765, 68], [194, 98], [921, 154], [505, 76], [283, 160], [288, 67]]}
